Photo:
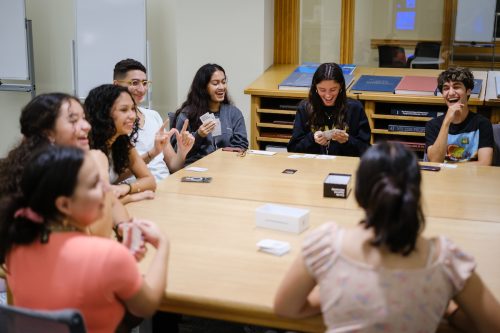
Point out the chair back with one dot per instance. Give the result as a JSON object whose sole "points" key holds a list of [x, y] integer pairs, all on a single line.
{"points": [[15, 319], [428, 49], [496, 148], [391, 56]]}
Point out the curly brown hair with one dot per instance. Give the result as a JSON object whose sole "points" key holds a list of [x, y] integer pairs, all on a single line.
{"points": [[98, 106]]}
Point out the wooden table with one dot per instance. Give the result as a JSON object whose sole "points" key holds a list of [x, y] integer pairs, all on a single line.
{"points": [[465, 192], [215, 270]]}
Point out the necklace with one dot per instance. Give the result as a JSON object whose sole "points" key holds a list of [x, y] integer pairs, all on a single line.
{"points": [[60, 227]]}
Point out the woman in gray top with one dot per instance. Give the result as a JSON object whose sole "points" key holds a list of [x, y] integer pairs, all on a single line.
{"points": [[213, 120]]}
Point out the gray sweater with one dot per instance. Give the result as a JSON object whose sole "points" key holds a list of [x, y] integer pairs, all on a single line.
{"points": [[234, 133]]}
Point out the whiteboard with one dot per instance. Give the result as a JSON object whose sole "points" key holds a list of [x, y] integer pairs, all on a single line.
{"points": [[475, 20], [107, 31], [13, 46]]}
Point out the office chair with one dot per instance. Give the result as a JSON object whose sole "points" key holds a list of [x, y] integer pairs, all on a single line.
{"points": [[21, 320], [427, 55], [391, 56]]}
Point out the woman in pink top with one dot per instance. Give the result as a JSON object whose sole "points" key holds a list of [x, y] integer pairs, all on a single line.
{"points": [[382, 275], [57, 119], [52, 264]]}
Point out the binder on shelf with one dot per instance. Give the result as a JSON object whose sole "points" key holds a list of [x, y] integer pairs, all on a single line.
{"points": [[416, 111], [416, 146], [301, 77], [417, 85], [376, 83], [405, 128], [497, 85], [476, 91]]}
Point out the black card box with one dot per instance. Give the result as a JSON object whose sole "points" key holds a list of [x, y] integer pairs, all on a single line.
{"points": [[337, 185]]}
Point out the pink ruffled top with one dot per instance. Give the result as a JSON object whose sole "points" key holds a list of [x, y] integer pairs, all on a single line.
{"points": [[357, 297]]}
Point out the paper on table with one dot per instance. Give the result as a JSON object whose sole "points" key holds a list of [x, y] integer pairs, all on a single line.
{"points": [[261, 152], [197, 169]]}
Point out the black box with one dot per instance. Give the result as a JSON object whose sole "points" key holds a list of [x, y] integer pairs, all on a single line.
{"points": [[337, 185]]}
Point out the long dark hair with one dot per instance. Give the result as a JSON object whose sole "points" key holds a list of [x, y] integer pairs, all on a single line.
{"points": [[38, 117], [315, 107], [198, 99], [98, 107], [50, 173], [388, 189]]}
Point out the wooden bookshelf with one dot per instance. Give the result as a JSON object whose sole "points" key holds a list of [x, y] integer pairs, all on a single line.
{"points": [[269, 104]]}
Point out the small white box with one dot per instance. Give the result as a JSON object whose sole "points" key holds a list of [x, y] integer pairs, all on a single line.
{"points": [[284, 218]]}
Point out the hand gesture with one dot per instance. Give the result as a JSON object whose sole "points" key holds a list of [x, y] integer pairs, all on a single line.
{"points": [[162, 138], [185, 140], [320, 138], [454, 111], [206, 128]]}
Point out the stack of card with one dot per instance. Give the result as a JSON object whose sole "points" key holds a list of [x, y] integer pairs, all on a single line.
{"points": [[275, 247], [210, 117], [329, 134]]}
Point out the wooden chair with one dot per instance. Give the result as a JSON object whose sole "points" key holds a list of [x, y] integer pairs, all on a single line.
{"points": [[20, 320]]}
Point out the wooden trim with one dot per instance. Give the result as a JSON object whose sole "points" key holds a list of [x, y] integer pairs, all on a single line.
{"points": [[286, 31], [347, 32], [449, 8], [405, 43]]}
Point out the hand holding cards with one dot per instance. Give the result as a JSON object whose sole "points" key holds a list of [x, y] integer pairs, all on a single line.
{"points": [[132, 237], [208, 117], [334, 134]]}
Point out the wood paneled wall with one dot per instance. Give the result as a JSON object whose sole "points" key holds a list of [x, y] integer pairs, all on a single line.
{"points": [[286, 31]]}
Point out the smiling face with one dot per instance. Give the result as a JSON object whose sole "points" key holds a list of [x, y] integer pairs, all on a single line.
{"points": [[71, 127], [216, 89], [134, 82], [455, 92], [123, 114], [328, 90], [86, 203]]}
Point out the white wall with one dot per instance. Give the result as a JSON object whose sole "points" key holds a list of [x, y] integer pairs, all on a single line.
{"points": [[235, 34], [53, 29], [183, 35]]}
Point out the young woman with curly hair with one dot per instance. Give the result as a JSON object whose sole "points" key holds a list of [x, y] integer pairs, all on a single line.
{"points": [[112, 112]]}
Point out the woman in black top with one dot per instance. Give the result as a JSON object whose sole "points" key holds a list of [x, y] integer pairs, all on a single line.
{"points": [[327, 122]]}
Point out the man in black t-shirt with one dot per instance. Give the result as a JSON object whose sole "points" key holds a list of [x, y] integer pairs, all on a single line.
{"points": [[459, 135]]}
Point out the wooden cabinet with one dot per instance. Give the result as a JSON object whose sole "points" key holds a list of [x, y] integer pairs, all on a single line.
{"points": [[273, 110]]}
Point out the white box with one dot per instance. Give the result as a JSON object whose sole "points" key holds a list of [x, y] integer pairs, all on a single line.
{"points": [[284, 218]]}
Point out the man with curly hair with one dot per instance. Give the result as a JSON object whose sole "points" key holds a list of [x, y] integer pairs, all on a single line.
{"points": [[459, 135]]}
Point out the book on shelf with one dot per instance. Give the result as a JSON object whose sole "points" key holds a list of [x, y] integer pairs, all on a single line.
{"points": [[293, 107], [405, 128], [417, 146], [416, 111], [301, 77], [276, 135], [376, 83], [476, 91], [497, 85], [416, 85], [283, 122]]}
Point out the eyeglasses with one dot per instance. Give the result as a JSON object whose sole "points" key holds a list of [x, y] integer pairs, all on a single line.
{"points": [[136, 83]]}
